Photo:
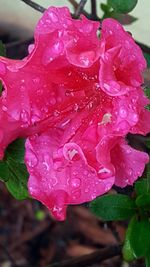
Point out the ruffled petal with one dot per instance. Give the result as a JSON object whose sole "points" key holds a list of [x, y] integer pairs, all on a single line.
{"points": [[61, 175], [129, 164], [125, 57], [120, 160]]}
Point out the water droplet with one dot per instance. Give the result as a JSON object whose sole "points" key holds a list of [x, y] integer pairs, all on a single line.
{"points": [[123, 112], [104, 173], [56, 113], [72, 153], [76, 194], [76, 107], [54, 181], [24, 115], [76, 182], [31, 159], [46, 165], [4, 108], [2, 68], [36, 80], [135, 117], [52, 15], [130, 172]]}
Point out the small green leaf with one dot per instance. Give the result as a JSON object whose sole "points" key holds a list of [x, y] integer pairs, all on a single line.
{"points": [[141, 187], [127, 251], [124, 19], [140, 236], [147, 57], [4, 171], [113, 207], [17, 183], [123, 6], [147, 92], [143, 200], [16, 150], [2, 49], [147, 260]]}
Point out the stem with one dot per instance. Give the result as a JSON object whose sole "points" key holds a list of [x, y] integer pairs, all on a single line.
{"points": [[93, 8], [80, 8], [34, 5], [91, 259]]}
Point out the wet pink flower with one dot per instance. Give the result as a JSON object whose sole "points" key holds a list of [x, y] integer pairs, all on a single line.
{"points": [[75, 97]]}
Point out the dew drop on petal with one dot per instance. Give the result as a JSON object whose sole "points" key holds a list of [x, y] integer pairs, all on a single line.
{"points": [[31, 159], [52, 15], [123, 112], [76, 182], [2, 68]]}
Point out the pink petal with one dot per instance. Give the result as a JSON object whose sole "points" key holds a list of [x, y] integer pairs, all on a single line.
{"points": [[122, 62], [60, 176], [120, 160], [36, 87], [129, 164]]}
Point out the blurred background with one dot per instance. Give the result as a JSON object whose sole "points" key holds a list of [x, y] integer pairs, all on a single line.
{"points": [[18, 16]]}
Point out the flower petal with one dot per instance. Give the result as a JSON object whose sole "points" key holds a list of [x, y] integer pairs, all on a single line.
{"points": [[61, 175]]}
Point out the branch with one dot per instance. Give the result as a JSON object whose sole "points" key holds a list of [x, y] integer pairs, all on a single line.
{"points": [[80, 8], [93, 8], [34, 5], [74, 4], [93, 258]]}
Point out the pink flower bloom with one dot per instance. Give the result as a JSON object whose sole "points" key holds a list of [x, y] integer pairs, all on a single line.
{"points": [[75, 97]]}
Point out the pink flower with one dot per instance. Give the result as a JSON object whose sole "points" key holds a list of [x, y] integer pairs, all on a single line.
{"points": [[75, 97]]}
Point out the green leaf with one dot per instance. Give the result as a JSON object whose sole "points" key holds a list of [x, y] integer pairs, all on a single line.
{"points": [[127, 251], [4, 171], [143, 200], [124, 19], [147, 57], [123, 6], [2, 53], [139, 237], [16, 150], [147, 261], [113, 207], [147, 92], [18, 177], [141, 187]]}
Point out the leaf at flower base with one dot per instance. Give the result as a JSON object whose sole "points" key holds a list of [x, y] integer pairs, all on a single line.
{"points": [[147, 57], [147, 92], [4, 171], [113, 207], [16, 150], [141, 187], [124, 19], [143, 200], [122, 6], [139, 237], [127, 251], [18, 177], [2, 53], [147, 261]]}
